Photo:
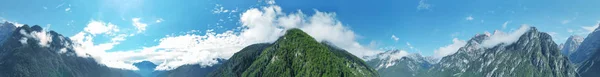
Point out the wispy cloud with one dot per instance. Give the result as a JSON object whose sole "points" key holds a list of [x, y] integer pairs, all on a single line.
{"points": [[409, 45], [470, 18], [589, 29], [505, 24], [395, 38], [139, 25], [449, 49], [423, 6], [565, 21]]}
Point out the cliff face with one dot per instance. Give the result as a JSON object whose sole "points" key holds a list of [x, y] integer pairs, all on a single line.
{"points": [[533, 55]]}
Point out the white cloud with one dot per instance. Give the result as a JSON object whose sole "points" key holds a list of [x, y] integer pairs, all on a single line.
{"points": [[449, 49], [469, 18], [270, 2], [565, 21], [503, 38], [258, 25], [395, 38], [422, 5], [13, 22], [43, 37], [392, 57], [322, 26], [505, 24], [59, 5], [589, 29], [23, 40], [68, 9], [139, 25], [98, 27], [85, 47], [159, 20], [220, 9], [409, 46]]}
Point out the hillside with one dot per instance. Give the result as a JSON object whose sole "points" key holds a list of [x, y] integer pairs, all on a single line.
{"points": [[295, 54], [23, 55]]}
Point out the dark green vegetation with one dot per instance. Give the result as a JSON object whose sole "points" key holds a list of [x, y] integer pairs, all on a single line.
{"points": [[296, 54], [30, 59], [239, 62]]}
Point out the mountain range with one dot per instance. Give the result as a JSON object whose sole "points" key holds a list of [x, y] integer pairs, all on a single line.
{"points": [[395, 63], [534, 54], [34, 52], [23, 54]]}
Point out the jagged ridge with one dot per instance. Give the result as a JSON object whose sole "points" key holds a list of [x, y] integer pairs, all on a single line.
{"points": [[27, 58]]}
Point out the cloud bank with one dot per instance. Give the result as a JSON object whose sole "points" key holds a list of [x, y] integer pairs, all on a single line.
{"points": [[258, 25]]}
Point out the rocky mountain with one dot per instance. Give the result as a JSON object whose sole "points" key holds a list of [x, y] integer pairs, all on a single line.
{"points": [[588, 55], [571, 45], [6, 29], [146, 69], [32, 52], [193, 70], [296, 54], [588, 47], [533, 55], [396, 63]]}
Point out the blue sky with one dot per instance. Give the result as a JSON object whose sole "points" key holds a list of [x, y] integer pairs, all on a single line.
{"points": [[426, 25]]}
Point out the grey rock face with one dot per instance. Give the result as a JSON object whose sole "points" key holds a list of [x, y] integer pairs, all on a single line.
{"points": [[589, 46], [6, 29], [410, 65], [587, 55], [533, 55]]}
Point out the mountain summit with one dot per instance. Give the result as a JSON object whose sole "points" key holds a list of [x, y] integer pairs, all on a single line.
{"points": [[571, 45], [588, 47], [33, 52], [587, 55], [296, 54], [534, 54], [398, 63]]}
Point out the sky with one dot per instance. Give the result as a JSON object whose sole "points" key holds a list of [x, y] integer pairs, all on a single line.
{"points": [[174, 33]]}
